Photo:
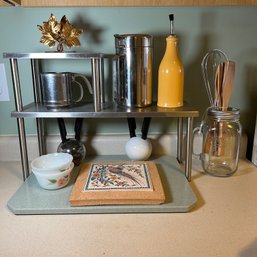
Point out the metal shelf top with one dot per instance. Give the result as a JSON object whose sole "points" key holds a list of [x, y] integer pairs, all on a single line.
{"points": [[54, 55], [108, 110]]}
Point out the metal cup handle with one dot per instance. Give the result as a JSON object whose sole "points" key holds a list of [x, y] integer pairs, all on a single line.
{"points": [[81, 92], [89, 86]]}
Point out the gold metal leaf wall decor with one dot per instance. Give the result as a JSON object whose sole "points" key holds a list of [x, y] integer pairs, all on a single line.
{"points": [[60, 33]]}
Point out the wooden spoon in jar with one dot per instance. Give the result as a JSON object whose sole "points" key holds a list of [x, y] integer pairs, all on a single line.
{"points": [[228, 83], [218, 85]]}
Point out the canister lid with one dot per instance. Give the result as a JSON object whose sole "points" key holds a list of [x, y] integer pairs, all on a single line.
{"points": [[133, 40], [231, 113]]}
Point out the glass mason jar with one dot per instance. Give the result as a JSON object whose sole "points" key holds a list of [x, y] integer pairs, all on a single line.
{"points": [[221, 134]]}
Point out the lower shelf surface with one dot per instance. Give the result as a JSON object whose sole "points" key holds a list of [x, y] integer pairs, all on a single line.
{"points": [[30, 198]]}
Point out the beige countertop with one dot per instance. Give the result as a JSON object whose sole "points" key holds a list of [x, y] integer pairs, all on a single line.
{"points": [[223, 224]]}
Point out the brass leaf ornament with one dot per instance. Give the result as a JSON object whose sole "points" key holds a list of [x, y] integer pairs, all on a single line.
{"points": [[60, 33]]}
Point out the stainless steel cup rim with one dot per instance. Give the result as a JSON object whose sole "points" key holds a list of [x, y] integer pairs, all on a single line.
{"points": [[133, 40], [53, 73]]}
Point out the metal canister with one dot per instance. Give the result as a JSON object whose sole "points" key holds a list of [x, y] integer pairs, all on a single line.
{"points": [[132, 70]]}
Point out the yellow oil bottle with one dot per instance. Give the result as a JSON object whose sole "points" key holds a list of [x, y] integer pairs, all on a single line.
{"points": [[171, 74]]}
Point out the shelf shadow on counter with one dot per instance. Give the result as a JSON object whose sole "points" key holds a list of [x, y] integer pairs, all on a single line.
{"points": [[250, 250]]}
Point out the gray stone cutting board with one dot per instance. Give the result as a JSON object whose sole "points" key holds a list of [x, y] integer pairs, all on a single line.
{"points": [[30, 198]]}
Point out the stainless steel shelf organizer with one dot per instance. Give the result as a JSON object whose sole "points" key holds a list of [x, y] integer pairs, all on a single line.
{"points": [[98, 109]]}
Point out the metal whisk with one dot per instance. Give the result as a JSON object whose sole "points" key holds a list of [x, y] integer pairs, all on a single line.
{"points": [[213, 69]]}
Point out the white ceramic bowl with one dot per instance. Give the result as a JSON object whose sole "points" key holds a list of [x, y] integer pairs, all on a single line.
{"points": [[55, 180], [52, 162]]}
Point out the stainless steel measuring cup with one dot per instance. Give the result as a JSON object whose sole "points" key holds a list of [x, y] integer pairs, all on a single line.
{"points": [[57, 88]]}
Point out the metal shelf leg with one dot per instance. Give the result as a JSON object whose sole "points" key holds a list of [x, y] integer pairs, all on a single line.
{"points": [[20, 121], [180, 140], [23, 148], [189, 145], [97, 65], [41, 136], [38, 99]]}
